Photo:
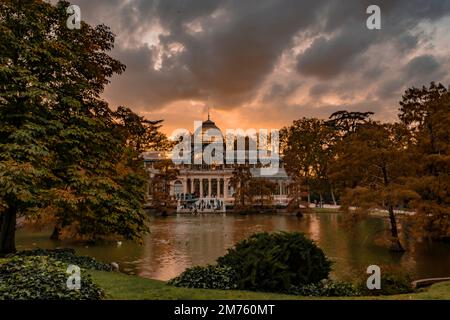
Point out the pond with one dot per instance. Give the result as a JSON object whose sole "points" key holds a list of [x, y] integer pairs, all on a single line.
{"points": [[178, 242]]}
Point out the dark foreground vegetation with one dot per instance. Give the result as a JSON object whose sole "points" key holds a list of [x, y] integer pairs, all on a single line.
{"points": [[287, 263], [66, 158], [42, 275]]}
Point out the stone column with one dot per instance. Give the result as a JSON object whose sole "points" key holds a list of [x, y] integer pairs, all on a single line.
{"points": [[225, 188], [201, 188], [209, 187], [192, 185]]}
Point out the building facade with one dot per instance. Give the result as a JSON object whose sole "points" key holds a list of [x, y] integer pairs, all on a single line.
{"points": [[213, 181]]}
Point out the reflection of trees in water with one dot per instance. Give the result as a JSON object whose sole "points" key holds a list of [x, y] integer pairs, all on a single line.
{"points": [[176, 243]]}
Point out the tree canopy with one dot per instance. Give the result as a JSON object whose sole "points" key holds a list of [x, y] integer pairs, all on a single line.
{"points": [[63, 151], [375, 165]]}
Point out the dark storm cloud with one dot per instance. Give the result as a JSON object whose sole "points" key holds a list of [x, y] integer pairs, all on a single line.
{"points": [[326, 58], [227, 61], [420, 70], [227, 49], [318, 90], [232, 58], [280, 91], [349, 37], [422, 65]]}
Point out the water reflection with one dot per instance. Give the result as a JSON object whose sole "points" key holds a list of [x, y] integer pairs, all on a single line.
{"points": [[175, 243]]}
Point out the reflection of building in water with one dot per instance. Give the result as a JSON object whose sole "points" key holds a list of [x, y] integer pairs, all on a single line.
{"points": [[314, 228], [212, 181], [176, 244]]}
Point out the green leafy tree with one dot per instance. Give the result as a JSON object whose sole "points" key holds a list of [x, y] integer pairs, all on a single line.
{"points": [[62, 149], [160, 181], [262, 191], [141, 134], [27, 90], [298, 194], [371, 164], [240, 180], [307, 147], [346, 122], [426, 112]]}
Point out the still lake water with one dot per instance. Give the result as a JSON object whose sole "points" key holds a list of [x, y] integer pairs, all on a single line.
{"points": [[178, 242]]}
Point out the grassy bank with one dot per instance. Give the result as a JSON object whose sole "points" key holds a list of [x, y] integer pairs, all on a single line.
{"points": [[119, 286], [123, 287]]}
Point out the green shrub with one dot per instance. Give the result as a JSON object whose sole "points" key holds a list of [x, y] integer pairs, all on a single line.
{"points": [[68, 255], [326, 288], [276, 262], [391, 283], [209, 277], [42, 278]]}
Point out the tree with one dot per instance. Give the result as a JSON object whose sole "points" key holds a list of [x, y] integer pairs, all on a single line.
{"points": [[307, 147], [371, 164], [26, 87], [62, 149], [141, 134], [165, 173], [240, 181], [346, 122], [262, 190], [298, 193], [426, 112]]}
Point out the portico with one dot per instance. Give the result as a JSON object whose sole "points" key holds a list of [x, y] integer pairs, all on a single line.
{"points": [[210, 184]]}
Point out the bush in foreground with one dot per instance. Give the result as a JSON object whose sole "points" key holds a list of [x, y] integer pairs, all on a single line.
{"points": [[209, 277], [42, 278], [391, 283], [326, 288], [68, 255], [279, 262], [276, 262]]}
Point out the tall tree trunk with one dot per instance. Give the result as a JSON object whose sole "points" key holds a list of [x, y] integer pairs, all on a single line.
{"points": [[395, 241], [332, 195], [8, 231], [56, 233]]}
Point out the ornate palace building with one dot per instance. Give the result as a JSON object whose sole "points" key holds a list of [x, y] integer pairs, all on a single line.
{"points": [[212, 182]]}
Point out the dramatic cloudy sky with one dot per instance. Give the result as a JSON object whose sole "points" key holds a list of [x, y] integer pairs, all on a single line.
{"points": [[264, 63]]}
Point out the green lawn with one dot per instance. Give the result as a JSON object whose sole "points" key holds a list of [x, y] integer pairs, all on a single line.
{"points": [[120, 286]]}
